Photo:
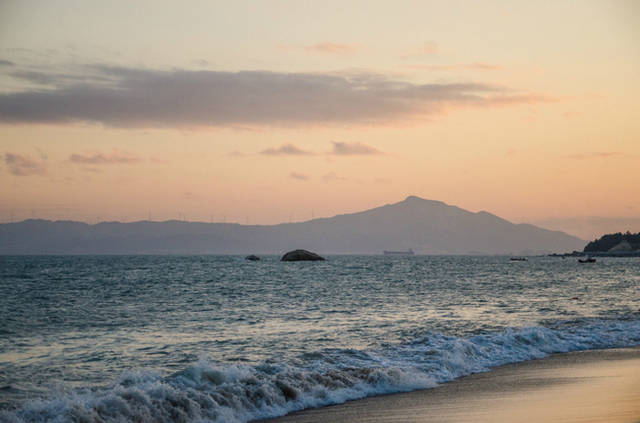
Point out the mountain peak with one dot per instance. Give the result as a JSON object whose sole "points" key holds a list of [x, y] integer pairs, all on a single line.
{"points": [[413, 198]]}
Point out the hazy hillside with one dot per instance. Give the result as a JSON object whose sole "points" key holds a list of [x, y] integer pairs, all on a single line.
{"points": [[428, 227]]}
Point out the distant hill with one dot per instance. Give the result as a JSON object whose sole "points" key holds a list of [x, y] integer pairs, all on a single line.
{"points": [[615, 243], [426, 226], [590, 227]]}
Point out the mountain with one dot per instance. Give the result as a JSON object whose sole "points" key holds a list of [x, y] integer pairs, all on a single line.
{"points": [[426, 226]]}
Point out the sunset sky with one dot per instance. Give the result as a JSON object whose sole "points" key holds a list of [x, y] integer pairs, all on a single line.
{"points": [[266, 112]]}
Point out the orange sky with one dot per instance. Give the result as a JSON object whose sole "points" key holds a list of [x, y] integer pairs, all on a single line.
{"points": [[264, 112]]}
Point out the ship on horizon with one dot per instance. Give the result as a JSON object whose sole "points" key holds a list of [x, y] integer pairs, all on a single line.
{"points": [[408, 252]]}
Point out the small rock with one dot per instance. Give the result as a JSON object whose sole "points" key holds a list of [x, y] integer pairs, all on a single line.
{"points": [[301, 255], [252, 258]]}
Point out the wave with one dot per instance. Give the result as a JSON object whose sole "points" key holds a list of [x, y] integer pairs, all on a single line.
{"points": [[215, 392]]}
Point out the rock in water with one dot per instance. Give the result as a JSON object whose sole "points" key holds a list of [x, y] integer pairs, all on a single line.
{"points": [[252, 258], [301, 255]]}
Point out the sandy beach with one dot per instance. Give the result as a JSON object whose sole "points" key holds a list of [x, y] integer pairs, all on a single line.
{"points": [[586, 386]]}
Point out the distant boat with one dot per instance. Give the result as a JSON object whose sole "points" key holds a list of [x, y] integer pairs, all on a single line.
{"points": [[587, 260], [409, 252], [518, 259]]}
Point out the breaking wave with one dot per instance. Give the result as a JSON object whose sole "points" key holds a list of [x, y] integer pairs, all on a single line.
{"points": [[215, 392]]}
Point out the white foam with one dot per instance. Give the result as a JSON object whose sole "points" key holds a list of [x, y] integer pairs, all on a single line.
{"points": [[214, 392]]}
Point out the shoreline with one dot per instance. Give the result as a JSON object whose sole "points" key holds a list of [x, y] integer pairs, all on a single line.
{"points": [[581, 386]]}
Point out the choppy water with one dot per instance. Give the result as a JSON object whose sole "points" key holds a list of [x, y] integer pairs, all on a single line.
{"points": [[211, 338]]}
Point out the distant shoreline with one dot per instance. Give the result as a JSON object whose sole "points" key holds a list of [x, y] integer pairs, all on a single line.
{"points": [[424, 226], [279, 254], [598, 254]]}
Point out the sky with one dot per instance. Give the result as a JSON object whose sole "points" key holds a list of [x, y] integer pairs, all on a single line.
{"points": [[276, 111]]}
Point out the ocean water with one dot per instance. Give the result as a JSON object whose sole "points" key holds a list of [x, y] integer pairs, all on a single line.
{"points": [[221, 339]]}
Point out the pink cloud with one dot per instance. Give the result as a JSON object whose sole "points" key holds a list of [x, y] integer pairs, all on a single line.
{"points": [[352, 149], [594, 155], [332, 48], [24, 165], [286, 150], [103, 159], [476, 66], [299, 176], [428, 48], [333, 177], [324, 48]]}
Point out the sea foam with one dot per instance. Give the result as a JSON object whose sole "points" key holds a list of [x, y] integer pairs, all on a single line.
{"points": [[215, 392]]}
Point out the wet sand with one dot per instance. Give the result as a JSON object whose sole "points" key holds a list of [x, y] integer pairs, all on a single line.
{"points": [[588, 386]]}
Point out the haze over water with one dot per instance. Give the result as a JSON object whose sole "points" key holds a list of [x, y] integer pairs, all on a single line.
{"points": [[221, 338]]}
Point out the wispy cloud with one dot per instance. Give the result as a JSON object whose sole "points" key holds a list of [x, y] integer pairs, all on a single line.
{"points": [[327, 47], [103, 159], [299, 176], [352, 149], [128, 97], [456, 67], [594, 155], [428, 48], [24, 165], [286, 150], [333, 177], [332, 48]]}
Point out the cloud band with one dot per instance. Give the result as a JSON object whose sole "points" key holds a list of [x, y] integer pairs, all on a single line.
{"points": [[126, 97]]}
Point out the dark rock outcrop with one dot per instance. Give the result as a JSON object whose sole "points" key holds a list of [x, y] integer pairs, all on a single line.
{"points": [[301, 255], [252, 258], [617, 242]]}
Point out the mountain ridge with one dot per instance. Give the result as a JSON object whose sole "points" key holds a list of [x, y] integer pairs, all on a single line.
{"points": [[426, 226]]}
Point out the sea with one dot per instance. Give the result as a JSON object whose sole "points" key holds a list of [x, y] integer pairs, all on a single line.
{"points": [[223, 339]]}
